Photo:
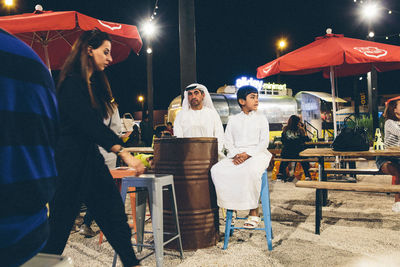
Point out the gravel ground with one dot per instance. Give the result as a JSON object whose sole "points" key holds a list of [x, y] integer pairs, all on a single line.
{"points": [[358, 229]]}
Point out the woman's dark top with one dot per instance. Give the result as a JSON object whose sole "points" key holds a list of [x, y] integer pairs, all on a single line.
{"points": [[81, 125], [293, 143], [81, 130]]}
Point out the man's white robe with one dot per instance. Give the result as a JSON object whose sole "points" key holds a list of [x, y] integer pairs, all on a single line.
{"points": [[199, 123], [238, 186]]}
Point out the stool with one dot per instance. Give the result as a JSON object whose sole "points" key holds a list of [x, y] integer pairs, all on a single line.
{"points": [[266, 207], [154, 184]]}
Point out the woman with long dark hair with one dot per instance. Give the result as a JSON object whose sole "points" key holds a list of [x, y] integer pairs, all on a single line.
{"points": [[293, 138], [85, 100], [391, 165]]}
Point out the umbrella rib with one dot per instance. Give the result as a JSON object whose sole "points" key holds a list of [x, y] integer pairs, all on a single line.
{"points": [[61, 36], [40, 40], [119, 42], [47, 37]]}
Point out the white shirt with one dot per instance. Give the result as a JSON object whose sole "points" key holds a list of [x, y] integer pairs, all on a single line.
{"points": [[114, 123], [238, 187], [247, 133], [199, 123]]}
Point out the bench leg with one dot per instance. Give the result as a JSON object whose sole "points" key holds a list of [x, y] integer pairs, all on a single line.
{"points": [[322, 177], [318, 210]]}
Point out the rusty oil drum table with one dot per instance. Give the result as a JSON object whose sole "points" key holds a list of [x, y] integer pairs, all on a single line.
{"points": [[189, 160]]}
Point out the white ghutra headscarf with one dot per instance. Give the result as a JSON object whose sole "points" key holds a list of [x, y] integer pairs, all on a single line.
{"points": [[207, 102]]}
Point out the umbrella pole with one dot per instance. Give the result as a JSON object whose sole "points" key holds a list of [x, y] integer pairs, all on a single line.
{"points": [[332, 77], [46, 55]]}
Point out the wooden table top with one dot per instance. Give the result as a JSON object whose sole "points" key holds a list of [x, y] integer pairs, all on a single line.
{"points": [[139, 149], [327, 143], [328, 152]]}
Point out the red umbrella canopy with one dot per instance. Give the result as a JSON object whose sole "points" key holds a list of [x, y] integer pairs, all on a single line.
{"points": [[349, 57], [54, 33]]}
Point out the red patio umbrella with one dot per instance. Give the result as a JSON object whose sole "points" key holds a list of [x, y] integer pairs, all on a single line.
{"points": [[335, 55], [52, 34]]}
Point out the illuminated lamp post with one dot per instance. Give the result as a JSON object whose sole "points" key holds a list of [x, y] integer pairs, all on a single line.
{"points": [[370, 12], [280, 46], [9, 4], [141, 101], [149, 31]]}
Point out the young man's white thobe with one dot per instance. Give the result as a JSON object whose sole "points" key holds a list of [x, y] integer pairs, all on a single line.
{"points": [[238, 186]]}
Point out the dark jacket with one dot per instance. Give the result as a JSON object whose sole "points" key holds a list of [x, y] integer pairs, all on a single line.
{"points": [[293, 143], [82, 129]]}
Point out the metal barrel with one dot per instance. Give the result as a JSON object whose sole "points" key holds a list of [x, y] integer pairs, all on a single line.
{"points": [[189, 160]]}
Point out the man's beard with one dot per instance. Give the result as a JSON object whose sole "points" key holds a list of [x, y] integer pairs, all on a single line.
{"points": [[194, 103]]}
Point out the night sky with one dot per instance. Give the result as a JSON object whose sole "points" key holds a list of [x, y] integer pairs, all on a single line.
{"points": [[233, 38]]}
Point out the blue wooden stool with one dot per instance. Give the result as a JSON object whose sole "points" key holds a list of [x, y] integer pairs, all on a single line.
{"points": [[266, 207]]}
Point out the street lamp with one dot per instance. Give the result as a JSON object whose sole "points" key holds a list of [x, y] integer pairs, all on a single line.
{"points": [[141, 100], [149, 30], [370, 11], [8, 3], [280, 46]]}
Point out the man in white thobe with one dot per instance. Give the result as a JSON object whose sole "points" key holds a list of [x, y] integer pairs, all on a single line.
{"points": [[198, 117], [238, 182]]}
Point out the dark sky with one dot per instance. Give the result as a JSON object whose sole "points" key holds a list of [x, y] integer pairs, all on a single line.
{"points": [[233, 38]]}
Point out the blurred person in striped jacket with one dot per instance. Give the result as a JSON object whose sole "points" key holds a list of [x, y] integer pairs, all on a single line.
{"points": [[391, 165], [29, 129]]}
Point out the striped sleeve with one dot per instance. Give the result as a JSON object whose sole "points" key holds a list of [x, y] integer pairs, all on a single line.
{"points": [[29, 120], [392, 133]]}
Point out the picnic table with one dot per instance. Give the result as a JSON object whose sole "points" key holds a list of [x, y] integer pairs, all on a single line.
{"points": [[319, 144], [322, 153], [322, 188], [139, 149]]}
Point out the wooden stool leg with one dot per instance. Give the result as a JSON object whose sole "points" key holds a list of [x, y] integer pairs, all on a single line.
{"points": [[100, 237], [132, 197]]}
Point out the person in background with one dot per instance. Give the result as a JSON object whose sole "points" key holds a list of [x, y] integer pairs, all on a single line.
{"points": [[237, 178], [29, 130], [170, 128], [146, 131], [293, 140], [85, 100], [198, 117], [391, 165]]}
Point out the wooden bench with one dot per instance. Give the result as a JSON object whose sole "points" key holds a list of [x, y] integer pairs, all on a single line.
{"points": [[353, 159], [303, 160], [349, 171], [320, 186], [353, 171]]}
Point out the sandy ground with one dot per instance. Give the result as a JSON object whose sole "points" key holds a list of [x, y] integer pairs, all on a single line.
{"points": [[358, 229]]}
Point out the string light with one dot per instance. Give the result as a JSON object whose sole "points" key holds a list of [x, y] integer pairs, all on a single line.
{"points": [[154, 13], [389, 12]]}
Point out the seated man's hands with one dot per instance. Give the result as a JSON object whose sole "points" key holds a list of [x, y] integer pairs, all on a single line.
{"points": [[240, 158]]}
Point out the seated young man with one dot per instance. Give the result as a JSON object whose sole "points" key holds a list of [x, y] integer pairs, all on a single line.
{"points": [[237, 178]]}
